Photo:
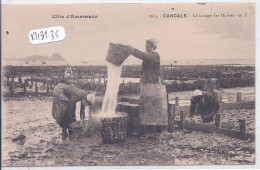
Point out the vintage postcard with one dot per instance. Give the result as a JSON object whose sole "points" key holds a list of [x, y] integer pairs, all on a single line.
{"points": [[159, 84]]}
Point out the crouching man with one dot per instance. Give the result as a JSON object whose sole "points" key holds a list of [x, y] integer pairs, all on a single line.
{"points": [[206, 104], [65, 98]]}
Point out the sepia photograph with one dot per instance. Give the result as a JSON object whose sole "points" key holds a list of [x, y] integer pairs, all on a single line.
{"points": [[134, 84]]}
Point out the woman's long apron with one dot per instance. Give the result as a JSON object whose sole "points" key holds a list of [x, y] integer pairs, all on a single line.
{"points": [[153, 104]]}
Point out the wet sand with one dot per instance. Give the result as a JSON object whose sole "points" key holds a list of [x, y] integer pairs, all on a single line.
{"points": [[43, 145]]}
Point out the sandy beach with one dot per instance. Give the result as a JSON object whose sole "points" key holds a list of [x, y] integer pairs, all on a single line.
{"points": [[43, 146]]}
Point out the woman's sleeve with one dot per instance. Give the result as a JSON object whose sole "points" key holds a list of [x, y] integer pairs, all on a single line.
{"points": [[76, 94], [153, 57]]}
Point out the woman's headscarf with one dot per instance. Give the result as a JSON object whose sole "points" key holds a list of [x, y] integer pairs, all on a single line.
{"points": [[153, 43]]}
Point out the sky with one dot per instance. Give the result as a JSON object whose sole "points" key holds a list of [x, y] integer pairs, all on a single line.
{"points": [[88, 39]]}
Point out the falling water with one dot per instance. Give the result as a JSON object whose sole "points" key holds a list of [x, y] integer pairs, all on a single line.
{"points": [[110, 98]]}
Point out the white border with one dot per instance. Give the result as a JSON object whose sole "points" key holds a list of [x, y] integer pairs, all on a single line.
{"points": [[112, 1]]}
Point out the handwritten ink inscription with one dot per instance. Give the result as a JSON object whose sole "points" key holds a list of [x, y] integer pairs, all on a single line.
{"points": [[46, 35]]}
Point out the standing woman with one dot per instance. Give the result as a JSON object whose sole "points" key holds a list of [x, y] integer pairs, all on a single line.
{"points": [[153, 96]]}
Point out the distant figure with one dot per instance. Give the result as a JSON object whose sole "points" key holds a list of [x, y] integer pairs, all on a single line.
{"points": [[206, 104], [20, 80], [68, 72], [11, 88], [65, 97]]}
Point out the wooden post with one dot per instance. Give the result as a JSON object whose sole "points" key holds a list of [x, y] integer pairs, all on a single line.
{"points": [[177, 101], [171, 118], [220, 99], [11, 88], [135, 121], [8, 82], [27, 82], [239, 96], [242, 124], [32, 81], [48, 88], [82, 111], [24, 86], [99, 78], [36, 87], [43, 84], [20, 80], [218, 120], [182, 120]]}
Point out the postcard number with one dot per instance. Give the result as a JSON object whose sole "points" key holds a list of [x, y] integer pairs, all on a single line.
{"points": [[46, 35]]}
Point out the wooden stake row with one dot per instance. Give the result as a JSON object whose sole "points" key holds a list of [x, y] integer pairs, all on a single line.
{"points": [[49, 86], [184, 110]]}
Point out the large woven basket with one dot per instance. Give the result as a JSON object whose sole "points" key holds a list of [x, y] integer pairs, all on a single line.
{"points": [[117, 54], [113, 129], [83, 128]]}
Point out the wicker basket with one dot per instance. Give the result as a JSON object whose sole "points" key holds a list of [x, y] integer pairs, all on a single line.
{"points": [[117, 54], [113, 129]]}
